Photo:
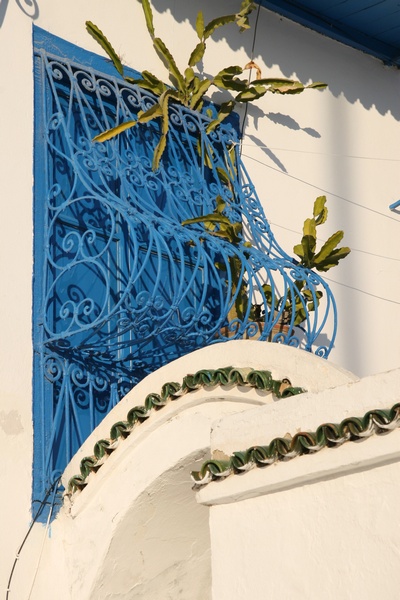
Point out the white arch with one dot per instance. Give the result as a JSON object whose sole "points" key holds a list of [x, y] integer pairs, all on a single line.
{"points": [[136, 531]]}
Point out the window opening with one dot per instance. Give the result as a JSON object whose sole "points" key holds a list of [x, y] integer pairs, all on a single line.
{"points": [[121, 287]]}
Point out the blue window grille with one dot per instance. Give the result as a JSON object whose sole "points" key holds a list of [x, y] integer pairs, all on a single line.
{"points": [[121, 287]]}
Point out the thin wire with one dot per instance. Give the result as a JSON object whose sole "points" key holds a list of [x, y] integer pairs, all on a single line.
{"points": [[44, 540], [251, 58], [344, 284], [314, 186], [35, 518], [362, 291], [352, 249], [41, 552], [254, 145], [322, 189]]}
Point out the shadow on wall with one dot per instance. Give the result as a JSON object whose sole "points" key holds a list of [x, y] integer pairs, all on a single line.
{"points": [[29, 7], [161, 547], [309, 55]]}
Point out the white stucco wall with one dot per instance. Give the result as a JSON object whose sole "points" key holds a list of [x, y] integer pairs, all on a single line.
{"points": [[319, 524], [334, 539], [314, 138], [16, 282], [136, 531]]}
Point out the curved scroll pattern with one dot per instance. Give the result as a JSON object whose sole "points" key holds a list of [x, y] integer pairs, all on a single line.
{"points": [[126, 287], [122, 268]]}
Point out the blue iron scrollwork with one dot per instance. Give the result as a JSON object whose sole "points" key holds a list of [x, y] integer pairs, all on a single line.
{"points": [[122, 287]]}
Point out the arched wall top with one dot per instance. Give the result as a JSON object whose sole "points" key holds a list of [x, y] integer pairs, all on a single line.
{"points": [[303, 370]]}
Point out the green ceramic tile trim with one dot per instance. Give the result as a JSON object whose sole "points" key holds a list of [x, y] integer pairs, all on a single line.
{"points": [[328, 435], [226, 376]]}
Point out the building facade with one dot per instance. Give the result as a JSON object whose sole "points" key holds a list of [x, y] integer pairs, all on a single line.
{"points": [[341, 142]]}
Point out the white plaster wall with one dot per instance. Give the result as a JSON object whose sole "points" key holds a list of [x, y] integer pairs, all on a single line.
{"points": [[336, 538], [16, 92], [317, 142], [136, 529], [343, 142], [307, 411], [319, 524]]}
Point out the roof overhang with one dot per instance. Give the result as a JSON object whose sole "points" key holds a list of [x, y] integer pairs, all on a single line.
{"points": [[372, 26]]}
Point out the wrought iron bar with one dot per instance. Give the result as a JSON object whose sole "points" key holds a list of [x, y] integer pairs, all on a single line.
{"points": [[123, 287]]}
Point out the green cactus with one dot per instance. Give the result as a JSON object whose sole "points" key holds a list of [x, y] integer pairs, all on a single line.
{"points": [[187, 87]]}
